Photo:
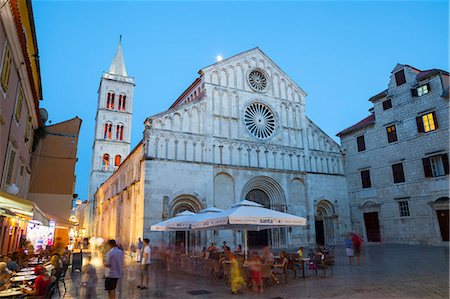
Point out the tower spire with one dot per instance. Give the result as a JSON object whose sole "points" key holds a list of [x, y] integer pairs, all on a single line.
{"points": [[118, 64]]}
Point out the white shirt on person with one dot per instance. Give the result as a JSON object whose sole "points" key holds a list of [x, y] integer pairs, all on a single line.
{"points": [[146, 253]]}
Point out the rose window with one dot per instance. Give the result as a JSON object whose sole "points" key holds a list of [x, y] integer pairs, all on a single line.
{"points": [[257, 80], [259, 120]]}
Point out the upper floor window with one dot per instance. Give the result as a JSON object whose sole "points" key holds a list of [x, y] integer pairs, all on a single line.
{"points": [[19, 104], [391, 133], [107, 131], [403, 207], [117, 161], [119, 132], [110, 100], [427, 122], [122, 102], [387, 104], [365, 179], [421, 90], [10, 167], [435, 166], [400, 77], [361, 143], [105, 162], [397, 172], [6, 68]]}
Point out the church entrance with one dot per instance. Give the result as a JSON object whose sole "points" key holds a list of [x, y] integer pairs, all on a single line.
{"points": [[325, 219], [261, 238]]}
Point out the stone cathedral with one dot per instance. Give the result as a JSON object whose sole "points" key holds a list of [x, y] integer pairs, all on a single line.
{"points": [[239, 131]]}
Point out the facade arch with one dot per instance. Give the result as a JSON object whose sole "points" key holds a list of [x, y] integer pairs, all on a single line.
{"points": [[185, 202], [325, 222]]}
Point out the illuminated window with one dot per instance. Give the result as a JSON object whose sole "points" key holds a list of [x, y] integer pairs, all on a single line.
{"points": [[436, 166], [117, 160], [422, 90], [391, 133], [105, 162], [107, 131], [6, 68], [119, 132], [19, 104], [110, 100], [400, 77], [403, 207], [426, 122]]}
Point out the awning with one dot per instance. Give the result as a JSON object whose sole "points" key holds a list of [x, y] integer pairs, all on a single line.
{"points": [[11, 205], [60, 221]]}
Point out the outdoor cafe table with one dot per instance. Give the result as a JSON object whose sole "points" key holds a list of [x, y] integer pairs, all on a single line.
{"points": [[23, 278], [21, 273], [27, 269], [11, 292], [304, 262]]}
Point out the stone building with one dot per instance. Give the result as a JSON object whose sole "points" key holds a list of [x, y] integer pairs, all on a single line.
{"points": [[396, 160], [238, 131]]}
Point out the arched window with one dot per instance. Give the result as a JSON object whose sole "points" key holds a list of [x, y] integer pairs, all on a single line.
{"points": [[117, 160], [122, 100], [105, 162], [119, 132], [110, 100], [107, 131]]}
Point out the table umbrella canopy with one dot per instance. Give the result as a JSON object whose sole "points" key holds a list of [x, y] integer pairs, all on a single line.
{"points": [[248, 215], [171, 223], [184, 223]]}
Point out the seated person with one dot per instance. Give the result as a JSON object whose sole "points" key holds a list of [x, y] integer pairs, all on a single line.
{"points": [[5, 275], [267, 257], [54, 266], [278, 268], [212, 248], [40, 284], [238, 249], [12, 264], [300, 252]]}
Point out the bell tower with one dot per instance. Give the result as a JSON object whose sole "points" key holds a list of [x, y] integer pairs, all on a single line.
{"points": [[113, 120]]}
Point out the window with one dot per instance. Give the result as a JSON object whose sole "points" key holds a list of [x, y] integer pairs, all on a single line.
{"points": [[117, 160], [400, 77], [403, 208], [365, 179], [6, 68], [122, 100], [435, 166], [421, 90], [105, 162], [10, 167], [110, 101], [119, 132], [391, 133], [361, 143], [426, 122], [397, 172], [29, 129], [19, 104], [387, 104], [107, 131]]}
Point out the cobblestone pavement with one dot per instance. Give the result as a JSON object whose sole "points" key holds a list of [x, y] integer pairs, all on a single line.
{"points": [[386, 271]]}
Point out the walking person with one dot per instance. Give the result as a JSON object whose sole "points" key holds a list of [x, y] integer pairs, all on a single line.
{"points": [[139, 251], [349, 248], [114, 268], [88, 281], [145, 264], [357, 243]]}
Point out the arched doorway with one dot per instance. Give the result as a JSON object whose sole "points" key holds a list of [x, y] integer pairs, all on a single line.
{"points": [[259, 239], [324, 222], [180, 204]]}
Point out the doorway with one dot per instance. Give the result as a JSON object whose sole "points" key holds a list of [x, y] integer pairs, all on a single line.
{"points": [[259, 239], [180, 240], [372, 227], [443, 219], [320, 233]]}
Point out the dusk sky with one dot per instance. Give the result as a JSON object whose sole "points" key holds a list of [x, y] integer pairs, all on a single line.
{"points": [[340, 53]]}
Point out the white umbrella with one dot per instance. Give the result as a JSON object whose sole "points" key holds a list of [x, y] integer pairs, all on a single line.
{"points": [[171, 224], [248, 215]]}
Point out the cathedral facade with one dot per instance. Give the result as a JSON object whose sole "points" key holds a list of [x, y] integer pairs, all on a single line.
{"points": [[239, 131]]}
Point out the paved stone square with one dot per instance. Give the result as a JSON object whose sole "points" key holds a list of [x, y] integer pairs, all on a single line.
{"points": [[386, 271]]}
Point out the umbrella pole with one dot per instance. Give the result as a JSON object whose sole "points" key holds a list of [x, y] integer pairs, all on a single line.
{"points": [[185, 241], [245, 243]]}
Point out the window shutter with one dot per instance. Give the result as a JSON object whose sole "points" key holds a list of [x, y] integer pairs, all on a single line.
{"points": [[414, 92], [435, 119], [12, 159], [429, 87], [444, 158], [427, 167], [419, 122]]}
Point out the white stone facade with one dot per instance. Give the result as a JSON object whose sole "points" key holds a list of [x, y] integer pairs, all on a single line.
{"points": [[202, 153], [425, 196]]}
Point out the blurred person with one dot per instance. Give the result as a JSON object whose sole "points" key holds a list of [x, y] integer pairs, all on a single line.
{"points": [[160, 259], [267, 257], [255, 268], [12, 264], [40, 284], [238, 249], [357, 243], [140, 246], [349, 248], [88, 281], [300, 252], [278, 267], [114, 268], [145, 264], [236, 279], [212, 248], [5, 275]]}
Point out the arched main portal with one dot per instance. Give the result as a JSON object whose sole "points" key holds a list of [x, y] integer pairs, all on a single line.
{"points": [[258, 239], [324, 222]]}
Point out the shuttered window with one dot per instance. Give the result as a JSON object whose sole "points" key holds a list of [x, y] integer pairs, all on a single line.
{"points": [[436, 166], [387, 104], [6, 68], [361, 143], [365, 179], [391, 133], [427, 122], [10, 167], [397, 173], [400, 77], [19, 104]]}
